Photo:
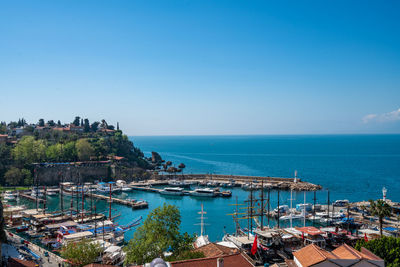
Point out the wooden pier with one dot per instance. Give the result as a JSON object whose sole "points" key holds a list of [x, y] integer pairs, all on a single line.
{"points": [[40, 200], [130, 203]]}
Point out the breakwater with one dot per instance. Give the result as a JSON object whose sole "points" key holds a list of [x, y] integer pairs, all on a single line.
{"points": [[281, 183]]}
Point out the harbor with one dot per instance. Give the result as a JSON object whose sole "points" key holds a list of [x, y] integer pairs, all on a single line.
{"points": [[294, 218]]}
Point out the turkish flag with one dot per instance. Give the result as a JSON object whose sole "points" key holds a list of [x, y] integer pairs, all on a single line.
{"points": [[254, 247], [365, 237]]}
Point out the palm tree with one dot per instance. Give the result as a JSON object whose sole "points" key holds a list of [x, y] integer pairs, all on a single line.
{"points": [[381, 209]]}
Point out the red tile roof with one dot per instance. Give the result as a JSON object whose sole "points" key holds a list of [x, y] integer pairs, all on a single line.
{"points": [[14, 262], [215, 250], [347, 252], [234, 260], [311, 255]]}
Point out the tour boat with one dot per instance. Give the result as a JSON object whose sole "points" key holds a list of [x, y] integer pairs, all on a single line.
{"points": [[9, 196], [51, 193], [203, 192], [36, 193], [177, 191]]}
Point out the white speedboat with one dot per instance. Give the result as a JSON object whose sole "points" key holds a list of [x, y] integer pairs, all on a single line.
{"points": [[177, 191], [203, 192], [126, 189]]}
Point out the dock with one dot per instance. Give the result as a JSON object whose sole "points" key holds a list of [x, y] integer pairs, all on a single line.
{"points": [[130, 203], [40, 200]]}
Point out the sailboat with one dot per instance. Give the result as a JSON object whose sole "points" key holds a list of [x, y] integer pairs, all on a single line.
{"points": [[202, 239]]}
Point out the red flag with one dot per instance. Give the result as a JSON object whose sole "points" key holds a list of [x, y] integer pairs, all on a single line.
{"points": [[254, 247], [365, 237]]}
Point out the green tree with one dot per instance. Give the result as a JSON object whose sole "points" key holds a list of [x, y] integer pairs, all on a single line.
{"points": [[86, 126], [84, 149], [3, 128], [13, 176], [51, 123], [27, 177], [41, 122], [381, 209], [53, 153], [76, 121], [159, 233], [387, 248], [81, 253], [59, 123], [28, 150], [69, 151], [95, 126]]}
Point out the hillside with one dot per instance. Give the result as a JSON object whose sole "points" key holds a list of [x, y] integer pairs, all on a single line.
{"points": [[22, 145]]}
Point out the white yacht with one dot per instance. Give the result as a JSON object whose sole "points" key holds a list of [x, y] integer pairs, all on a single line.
{"points": [[177, 191], [203, 192]]}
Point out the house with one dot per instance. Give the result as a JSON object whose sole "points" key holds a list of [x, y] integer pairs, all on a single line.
{"points": [[344, 256]]}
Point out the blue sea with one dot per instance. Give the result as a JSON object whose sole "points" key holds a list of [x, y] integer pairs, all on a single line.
{"points": [[353, 167]]}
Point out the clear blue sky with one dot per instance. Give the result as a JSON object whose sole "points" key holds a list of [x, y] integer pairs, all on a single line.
{"points": [[204, 67]]}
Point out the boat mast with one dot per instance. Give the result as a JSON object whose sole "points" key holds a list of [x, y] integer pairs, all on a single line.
{"points": [[304, 209], [315, 199], [278, 208], [291, 204], [269, 190], [83, 205], [61, 193], [262, 204], [45, 200], [35, 183], [202, 212], [110, 203], [328, 209]]}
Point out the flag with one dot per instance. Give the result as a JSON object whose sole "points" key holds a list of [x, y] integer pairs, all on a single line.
{"points": [[365, 237], [254, 247]]}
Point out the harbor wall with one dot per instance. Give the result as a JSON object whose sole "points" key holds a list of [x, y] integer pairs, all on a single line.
{"points": [[227, 177], [54, 174]]}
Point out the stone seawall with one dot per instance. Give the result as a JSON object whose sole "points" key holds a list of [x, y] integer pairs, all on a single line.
{"points": [[53, 175]]}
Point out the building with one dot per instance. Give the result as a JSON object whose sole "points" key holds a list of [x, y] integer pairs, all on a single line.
{"points": [[342, 256]]}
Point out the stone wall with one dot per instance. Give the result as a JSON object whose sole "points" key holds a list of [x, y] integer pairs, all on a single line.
{"points": [[53, 175]]}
